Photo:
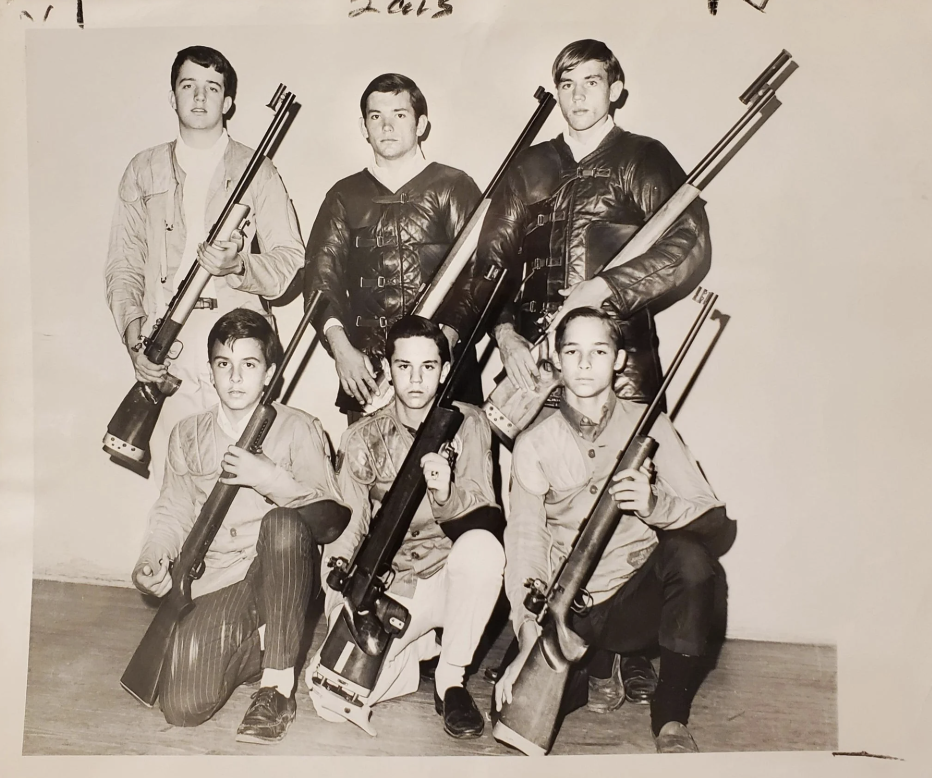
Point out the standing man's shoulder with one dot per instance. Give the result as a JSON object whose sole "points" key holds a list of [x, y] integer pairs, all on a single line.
{"points": [[638, 149], [148, 172]]}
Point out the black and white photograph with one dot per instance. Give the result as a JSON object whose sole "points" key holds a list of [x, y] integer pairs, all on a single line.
{"points": [[470, 379]]}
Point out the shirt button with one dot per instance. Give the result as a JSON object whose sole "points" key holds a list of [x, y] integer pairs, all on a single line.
{"points": [[591, 453], [232, 532], [593, 489], [415, 555], [415, 533]]}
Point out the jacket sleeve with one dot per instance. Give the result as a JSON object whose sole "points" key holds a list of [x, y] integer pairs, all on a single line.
{"points": [[173, 514], [126, 253], [683, 494], [472, 483], [462, 197], [679, 260], [307, 476], [527, 536], [281, 249], [326, 260], [500, 244]]}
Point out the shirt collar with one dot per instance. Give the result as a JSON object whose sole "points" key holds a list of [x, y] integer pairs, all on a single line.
{"points": [[396, 177], [234, 429], [582, 424], [581, 149]]}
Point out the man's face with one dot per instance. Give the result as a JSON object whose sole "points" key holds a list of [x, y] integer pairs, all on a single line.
{"points": [[417, 371], [585, 95], [588, 357], [199, 97], [390, 126], [239, 373]]}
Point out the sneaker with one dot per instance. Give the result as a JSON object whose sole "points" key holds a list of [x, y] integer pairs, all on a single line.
{"points": [[268, 717], [674, 738], [607, 694]]}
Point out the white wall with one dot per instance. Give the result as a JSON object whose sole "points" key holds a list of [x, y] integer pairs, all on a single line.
{"points": [[809, 417]]}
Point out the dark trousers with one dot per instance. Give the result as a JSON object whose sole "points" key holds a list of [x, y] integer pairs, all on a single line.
{"points": [[216, 646]]}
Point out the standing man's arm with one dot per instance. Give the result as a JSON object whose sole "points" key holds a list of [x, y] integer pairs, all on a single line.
{"points": [[456, 313], [281, 250], [500, 243], [326, 265], [125, 272], [679, 260]]}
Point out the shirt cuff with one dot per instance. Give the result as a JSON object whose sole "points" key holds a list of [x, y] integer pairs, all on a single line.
{"points": [[330, 324]]}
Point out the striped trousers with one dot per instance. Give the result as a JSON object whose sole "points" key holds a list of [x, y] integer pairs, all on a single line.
{"points": [[217, 645]]}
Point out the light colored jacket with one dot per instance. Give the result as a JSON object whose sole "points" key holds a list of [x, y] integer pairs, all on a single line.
{"points": [[147, 236]]}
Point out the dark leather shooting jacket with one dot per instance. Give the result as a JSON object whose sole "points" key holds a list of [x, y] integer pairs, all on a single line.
{"points": [[555, 222]]}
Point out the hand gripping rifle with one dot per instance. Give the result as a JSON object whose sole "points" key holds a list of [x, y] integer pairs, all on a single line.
{"points": [[529, 723], [352, 655], [510, 409], [144, 671], [435, 291], [129, 431]]}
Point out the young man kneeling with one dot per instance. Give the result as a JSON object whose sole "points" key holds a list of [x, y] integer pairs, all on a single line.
{"points": [[646, 588], [444, 583], [251, 601]]}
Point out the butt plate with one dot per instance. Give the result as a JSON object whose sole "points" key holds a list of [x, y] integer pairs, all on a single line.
{"points": [[505, 734]]}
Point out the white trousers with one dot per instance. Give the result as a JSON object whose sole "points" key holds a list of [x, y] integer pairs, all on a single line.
{"points": [[459, 598]]}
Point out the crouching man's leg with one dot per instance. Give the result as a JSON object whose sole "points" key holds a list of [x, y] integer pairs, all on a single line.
{"points": [[284, 574], [216, 649], [472, 582]]}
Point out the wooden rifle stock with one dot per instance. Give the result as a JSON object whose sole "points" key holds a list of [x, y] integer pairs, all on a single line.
{"points": [[530, 721], [144, 671], [435, 291], [130, 428], [511, 409]]}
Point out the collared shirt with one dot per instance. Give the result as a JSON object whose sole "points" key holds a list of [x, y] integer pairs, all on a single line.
{"points": [[581, 149], [558, 472], [586, 427], [234, 429]]}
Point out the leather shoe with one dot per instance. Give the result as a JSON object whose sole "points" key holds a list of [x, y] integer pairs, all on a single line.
{"points": [[461, 717], [607, 694], [268, 717], [639, 678], [428, 668], [674, 738]]}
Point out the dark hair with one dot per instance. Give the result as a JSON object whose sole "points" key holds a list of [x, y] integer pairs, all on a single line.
{"points": [[243, 323], [394, 83], [207, 57], [583, 51], [590, 313], [417, 327]]}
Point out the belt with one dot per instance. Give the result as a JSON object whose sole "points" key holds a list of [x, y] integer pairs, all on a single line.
{"points": [[364, 321], [205, 303]]}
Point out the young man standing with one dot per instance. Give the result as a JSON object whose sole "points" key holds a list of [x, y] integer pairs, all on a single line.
{"points": [[251, 602], [444, 583], [565, 209], [169, 198], [380, 234], [645, 588]]}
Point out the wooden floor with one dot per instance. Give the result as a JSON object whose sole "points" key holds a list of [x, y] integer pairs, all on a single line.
{"points": [[759, 697]]}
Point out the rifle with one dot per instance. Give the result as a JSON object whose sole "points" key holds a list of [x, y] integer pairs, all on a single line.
{"points": [[530, 722], [510, 409], [434, 292], [352, 655], [144, 671], [129, 431]]}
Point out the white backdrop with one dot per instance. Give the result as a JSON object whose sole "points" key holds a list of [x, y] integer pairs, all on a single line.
{"points": [[809, 417]]}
